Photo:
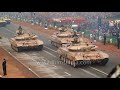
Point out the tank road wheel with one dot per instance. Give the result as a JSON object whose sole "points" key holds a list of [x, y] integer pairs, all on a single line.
{"points": [[17, 49], [20, 49], [84, 62], [71, 63], [103, 62], [64, 59], [52, 42], [40, 47], [74, 64], [12, 46], [60, 57], [80, 63], [57, 45], [68, 61]]}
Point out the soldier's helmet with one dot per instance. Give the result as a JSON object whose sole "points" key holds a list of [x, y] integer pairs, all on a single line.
{"points": [[19, 28]]}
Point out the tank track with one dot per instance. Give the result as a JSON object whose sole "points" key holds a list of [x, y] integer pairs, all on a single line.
{"points": [[56, 44], [20, 49], [83, 62], [8, 22]]}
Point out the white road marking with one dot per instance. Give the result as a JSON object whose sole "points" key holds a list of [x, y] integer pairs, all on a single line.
{"points": [[98, 70], [50, 48], [9, 30], [67, 73], [49, 53], [88, 72], [54, 75]]}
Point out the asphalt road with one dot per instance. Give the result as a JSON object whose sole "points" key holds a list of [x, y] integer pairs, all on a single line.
{"points": [[46, 63]]}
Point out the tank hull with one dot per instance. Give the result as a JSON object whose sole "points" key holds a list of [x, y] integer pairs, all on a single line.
{"points": [[27, 48], [2, 24], [78, 63], [58, 44], [8, 21]]}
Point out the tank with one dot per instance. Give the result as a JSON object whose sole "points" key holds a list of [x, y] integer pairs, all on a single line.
{"points": [[25, 41], [8, 20], [62, 37], [3, 23], [80, 54]]}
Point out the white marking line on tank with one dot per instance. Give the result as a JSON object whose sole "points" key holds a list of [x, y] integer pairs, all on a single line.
{"points": [[50, 48], [22, 63], [49, 53], [96, 76], [67, 73], [9, 30], [98, 70]]}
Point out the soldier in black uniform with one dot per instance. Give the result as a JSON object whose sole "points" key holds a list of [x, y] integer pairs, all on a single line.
{"points": [[4, 67]]}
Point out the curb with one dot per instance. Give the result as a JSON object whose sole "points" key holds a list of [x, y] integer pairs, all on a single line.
{"points": [[22, 63]]}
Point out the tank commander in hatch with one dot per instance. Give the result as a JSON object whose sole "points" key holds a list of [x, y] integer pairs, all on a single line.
{"points": [[20, 30]]}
